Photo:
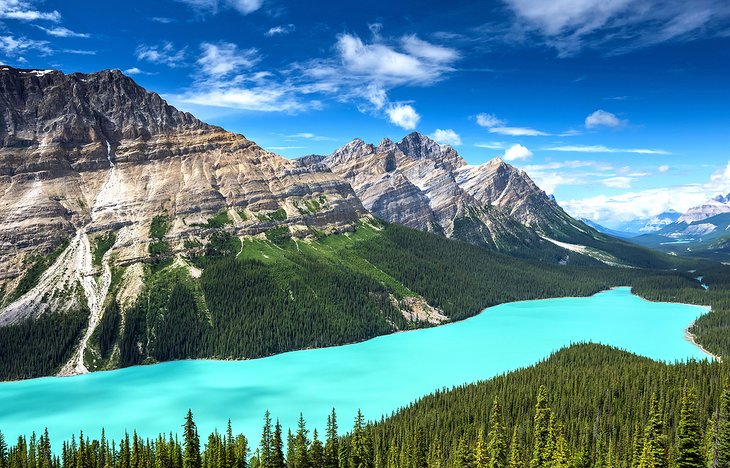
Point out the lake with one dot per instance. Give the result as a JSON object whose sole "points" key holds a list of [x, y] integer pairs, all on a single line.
{"points": [[378, 375]]}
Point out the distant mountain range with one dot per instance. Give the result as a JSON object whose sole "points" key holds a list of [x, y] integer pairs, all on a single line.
{"points": [[702, 231]]}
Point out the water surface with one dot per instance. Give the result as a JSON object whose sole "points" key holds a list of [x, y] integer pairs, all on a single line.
{"points": [[378, 375]]}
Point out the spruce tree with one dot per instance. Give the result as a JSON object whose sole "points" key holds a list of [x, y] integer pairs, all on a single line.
{"points": [[541, 431], [316, 452], [331, 447], [710, 442], [435, 453], [360, 449], [497, 447], [301, 446], [191, 455], [481, 457], [3, 451], [689, 437], [559, 454], [515, 449], [276, 459], [723, 429], [264, 457], [462, 457], [654, 449]]}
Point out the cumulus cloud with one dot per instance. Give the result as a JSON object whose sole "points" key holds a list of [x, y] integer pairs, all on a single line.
{"points": [[516, 152], [161, 54], [280, 30], [495, 125], [224, 58], [403, 115], [621, 25], [601, 118], [25, 11], [603, 149], [446, 137], [650, 202]]}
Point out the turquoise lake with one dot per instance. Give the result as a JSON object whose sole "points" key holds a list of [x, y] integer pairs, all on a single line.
{"points": [[378, 375]]}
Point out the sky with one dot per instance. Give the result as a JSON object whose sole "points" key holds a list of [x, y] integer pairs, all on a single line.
{"points": [[619, 108]]}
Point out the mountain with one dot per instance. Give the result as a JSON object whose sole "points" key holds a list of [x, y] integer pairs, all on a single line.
{"points": [[131, 232], [649, 225], [605, 230], [423, 185], [702, 231]]}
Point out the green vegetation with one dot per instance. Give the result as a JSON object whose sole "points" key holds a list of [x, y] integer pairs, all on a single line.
{"points": [[219, 220], [159, 228], [102, 244], [39, 347], [278, 215], [38, 265]]}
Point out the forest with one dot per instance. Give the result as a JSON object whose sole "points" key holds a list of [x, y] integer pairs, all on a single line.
{"points": [[584, 406]]}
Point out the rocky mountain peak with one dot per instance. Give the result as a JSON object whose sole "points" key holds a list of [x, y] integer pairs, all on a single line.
{"points": [[42, 107]]}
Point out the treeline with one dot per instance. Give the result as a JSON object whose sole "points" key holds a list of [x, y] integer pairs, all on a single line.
{"points": [[39, 347], [585, 406]]}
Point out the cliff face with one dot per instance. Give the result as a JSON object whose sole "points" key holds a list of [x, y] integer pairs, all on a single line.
{"points": [[421, 184], [84, 154]]}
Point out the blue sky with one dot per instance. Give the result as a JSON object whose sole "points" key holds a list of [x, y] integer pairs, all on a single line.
{"points": [[618, 107]]}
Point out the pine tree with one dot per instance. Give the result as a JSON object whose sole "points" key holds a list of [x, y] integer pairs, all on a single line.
{"points": [[419, 452], [497, 447], [559, 454], [360, 449], [541, 431], [264, 457], [3, 451], [515, 450], [710, 442], [723, 430], [653, 453], [331, 447], [481, 457], [301, 446], [277, 449], [191, 456], [689, 438], [435, 453], [316, 452], [462, 457]]}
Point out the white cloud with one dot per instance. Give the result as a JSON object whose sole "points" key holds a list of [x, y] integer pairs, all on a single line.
{"points": [[663, 168], [618, 182], [570, 25], [136, 71], [280, 30], [601, 118], [517, 131], [163, 54], [309, 136], [490, 145], [488, 120], [419, 63], [224, 58], [446, 137], [13, 47], [650, 202], [255, 98], [603, 149], [24, 11], [403, 115], [495, 125], [516, 152], [60, 31]]}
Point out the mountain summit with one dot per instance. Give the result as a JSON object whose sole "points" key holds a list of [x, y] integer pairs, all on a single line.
{"points": [[421, 184]]}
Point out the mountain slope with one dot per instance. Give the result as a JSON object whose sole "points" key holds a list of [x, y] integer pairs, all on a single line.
{"points": [[423, 185]]}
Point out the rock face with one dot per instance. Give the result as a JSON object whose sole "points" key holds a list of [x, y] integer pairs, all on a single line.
{"points": [[713, 207], [82, 154], [421, 184]]}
